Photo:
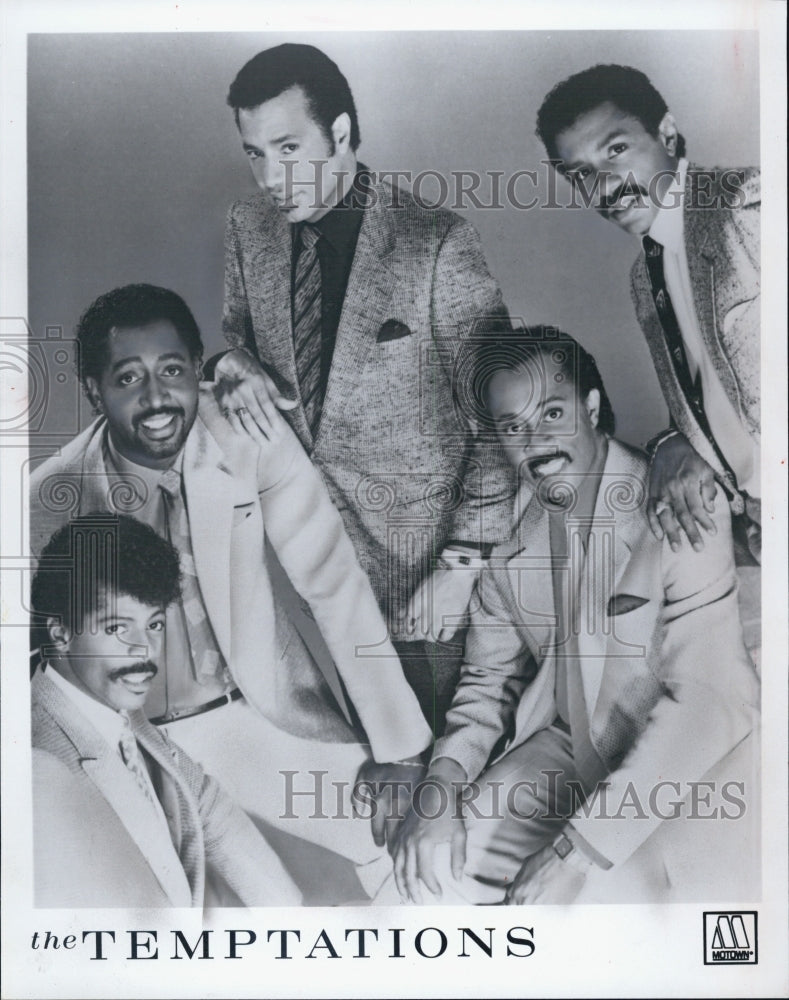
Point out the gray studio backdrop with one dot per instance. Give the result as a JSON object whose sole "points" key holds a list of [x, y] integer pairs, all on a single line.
{"points": [[133, 160]]}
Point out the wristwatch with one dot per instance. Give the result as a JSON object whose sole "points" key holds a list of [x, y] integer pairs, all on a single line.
{"points": [[457, 558], [566, 850]]}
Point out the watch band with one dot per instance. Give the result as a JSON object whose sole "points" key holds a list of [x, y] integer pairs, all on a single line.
{"points": [[456, 559], [566, 851]]}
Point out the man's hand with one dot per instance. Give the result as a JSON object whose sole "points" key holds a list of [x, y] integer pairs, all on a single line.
{"points": [[442, 595], [414, 854], [545, 878], [392, 786], [682, 492], [243, 389]]}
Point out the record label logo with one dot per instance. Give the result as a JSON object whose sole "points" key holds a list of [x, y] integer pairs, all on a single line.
{"points": [[730, 938]]}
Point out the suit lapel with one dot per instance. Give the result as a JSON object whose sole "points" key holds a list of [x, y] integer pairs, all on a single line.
{"points": [[103, 766], [179, 805], [211, 496], [709, 268], [701, 279], [529, 569], [270, 278], [367, 297], [617, 522]]}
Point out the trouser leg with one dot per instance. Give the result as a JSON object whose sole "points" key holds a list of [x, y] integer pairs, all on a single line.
{"points": [[432, 669], [300, 787], [525, 799]]}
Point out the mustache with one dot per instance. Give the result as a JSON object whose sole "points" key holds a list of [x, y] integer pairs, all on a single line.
{"points": [[143, 667], [609, 201], [538, 460], [176, 411]]}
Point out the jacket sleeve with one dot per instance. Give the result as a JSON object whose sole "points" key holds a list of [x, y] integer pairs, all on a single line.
{"points": [[309, 538], [710, 702], [236, 319], [466, 301], [497, 667], [233, 845]]}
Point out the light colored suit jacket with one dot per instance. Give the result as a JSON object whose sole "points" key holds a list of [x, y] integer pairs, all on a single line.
{"points": [[723, 249], [668, 688], [93, 846], [235, 502], [397, 459]]}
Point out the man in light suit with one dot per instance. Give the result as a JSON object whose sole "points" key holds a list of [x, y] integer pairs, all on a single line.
{"points": [[355, 298], [605, 678], [239, 689], [696, 289], [121, 815]]}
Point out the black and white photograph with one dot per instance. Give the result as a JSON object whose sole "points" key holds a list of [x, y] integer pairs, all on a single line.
{"points": [[383, 602]]}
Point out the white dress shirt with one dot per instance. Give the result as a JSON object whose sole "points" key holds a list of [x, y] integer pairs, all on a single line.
{"points": [[109, 723]]}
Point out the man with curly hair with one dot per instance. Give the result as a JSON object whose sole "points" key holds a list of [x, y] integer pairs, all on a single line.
{"points": [[121, 815], [240, 686]]}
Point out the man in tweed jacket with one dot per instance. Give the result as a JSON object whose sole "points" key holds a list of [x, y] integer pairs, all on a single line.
{"points": [[115, 826], [696, 289], [402, 287]]}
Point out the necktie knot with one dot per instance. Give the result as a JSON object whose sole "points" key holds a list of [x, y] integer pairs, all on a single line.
{"points": [[170, 484], [128, 743], [308, 236], [651, 247]]}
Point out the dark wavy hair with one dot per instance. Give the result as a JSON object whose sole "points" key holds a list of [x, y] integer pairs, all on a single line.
{"points": [[131, 306], [97, 553], [273, 71], [510, 349], [627, 88]]}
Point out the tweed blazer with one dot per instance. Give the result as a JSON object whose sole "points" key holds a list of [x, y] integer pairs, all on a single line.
{"points": [[92, 846], [394, 450], [668, 688], [238, 498], [722, 241]]}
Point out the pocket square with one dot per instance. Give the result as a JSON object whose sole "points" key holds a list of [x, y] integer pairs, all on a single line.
{"points": [[620, 604], [392, 329]]}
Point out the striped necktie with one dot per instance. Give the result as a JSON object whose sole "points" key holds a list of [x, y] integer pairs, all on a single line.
{"points": [[130, 755], [691, 388], [307, 324], [191, 638]]}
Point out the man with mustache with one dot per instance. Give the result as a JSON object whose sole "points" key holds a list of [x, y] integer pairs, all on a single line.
{"points": [[121, 815], [346, 301], [240, 688], [604, 677], [696, 289]]}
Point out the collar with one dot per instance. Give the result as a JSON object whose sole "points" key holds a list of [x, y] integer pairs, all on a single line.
{"points": [[668, 227], [109, 723], [151, 477], [340, 227], [624, 471]]}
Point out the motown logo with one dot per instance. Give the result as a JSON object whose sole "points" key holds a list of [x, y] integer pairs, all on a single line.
{"points": [[730, 938]]}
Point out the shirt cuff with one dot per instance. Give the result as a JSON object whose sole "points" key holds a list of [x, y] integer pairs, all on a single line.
{"points": [[584, 847], [654, 443]]}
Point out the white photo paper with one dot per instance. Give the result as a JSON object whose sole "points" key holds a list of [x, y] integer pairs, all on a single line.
{"points": [[121, 160]]}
